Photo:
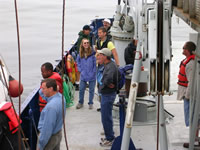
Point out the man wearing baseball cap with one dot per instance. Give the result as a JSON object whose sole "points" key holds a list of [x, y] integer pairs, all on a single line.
{"points": [[107, 25], [107, 89]]}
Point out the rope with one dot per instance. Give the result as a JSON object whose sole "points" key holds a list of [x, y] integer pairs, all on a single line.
{"points": [[62, 72], [19, 59]]}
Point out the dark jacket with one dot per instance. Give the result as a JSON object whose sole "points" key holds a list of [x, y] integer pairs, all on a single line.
{"points": [[129, 53], [110, 75], [80, 38], [8, 141], [109, 36], [104, 45]]}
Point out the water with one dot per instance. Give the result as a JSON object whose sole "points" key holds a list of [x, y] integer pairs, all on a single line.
{"points": [[40, 34]]}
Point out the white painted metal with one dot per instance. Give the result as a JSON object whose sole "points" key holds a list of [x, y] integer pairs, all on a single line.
{"points": [[3, 89], [195, 95]]}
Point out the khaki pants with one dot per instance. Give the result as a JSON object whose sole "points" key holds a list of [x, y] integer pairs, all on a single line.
{"points": [[54, 141]]}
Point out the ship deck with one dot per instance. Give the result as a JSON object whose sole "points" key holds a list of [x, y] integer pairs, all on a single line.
{"points": [[83, 127]]}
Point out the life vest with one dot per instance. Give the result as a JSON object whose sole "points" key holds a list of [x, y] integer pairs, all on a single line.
{"points": [[104, 45], [71, 68], [182, 79], [58, 79], [13, 123]]}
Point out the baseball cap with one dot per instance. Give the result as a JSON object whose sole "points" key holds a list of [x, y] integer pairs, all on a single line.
{"points": [[86, 27], [107, 20], [105, 51]]}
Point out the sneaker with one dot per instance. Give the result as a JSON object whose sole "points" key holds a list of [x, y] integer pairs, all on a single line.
{"points": [[103, 139], [90, 106], [106, 143], [79, 105]]}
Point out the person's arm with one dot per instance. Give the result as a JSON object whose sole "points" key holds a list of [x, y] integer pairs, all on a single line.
{"points": [[114, 52], [115, 55], [94, 63], [78, 61], [46, 131], [189, 74]]}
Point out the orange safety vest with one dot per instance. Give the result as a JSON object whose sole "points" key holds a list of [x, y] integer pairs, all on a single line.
{"points": [[182, 79], [71, 68], [13, 117], [56, 76]]}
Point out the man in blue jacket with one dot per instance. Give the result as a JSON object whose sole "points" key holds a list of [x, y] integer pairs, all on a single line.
{"points": [[51, 118]]}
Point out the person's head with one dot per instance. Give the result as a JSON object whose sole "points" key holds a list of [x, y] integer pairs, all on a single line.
{"points": [[49, 87], [188, 48], [46, 70], [104, 56], [85, 48], [86, 29], [102, 33], [106, 23]]}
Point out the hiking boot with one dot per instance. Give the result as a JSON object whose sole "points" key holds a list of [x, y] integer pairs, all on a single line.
{"points": [[76, 87], [79, 105], [106, 143], [186, 145], [98, 109], [90, 106]]}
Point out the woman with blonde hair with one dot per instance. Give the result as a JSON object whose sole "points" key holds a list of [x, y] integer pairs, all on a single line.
{"points": [[86, 62]]}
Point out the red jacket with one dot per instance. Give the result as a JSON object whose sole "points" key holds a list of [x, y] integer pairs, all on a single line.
{"points": [[58, 79], [182, 78]]}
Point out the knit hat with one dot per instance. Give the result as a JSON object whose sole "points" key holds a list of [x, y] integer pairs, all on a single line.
{"points": [[86, 27]]}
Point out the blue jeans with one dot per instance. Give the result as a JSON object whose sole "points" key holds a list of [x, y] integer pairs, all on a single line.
{"points": [[107, 101], [187, 111], [82, 87]]}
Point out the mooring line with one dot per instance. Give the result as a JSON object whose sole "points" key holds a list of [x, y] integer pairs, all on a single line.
{"points": [[62, 72]]}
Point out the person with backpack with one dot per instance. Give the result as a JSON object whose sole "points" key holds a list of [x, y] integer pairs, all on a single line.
{"points": [[107, 89], [86, 62]]}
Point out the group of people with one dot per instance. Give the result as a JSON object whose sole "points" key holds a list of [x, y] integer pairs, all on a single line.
{"points": [[89, 61]]}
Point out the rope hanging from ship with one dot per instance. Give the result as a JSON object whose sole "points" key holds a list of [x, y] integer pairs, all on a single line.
{"points": [[62, 70], [19, 64]]}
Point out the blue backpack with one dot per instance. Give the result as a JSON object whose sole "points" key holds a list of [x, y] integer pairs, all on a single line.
{"points": [[122, 73]]}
